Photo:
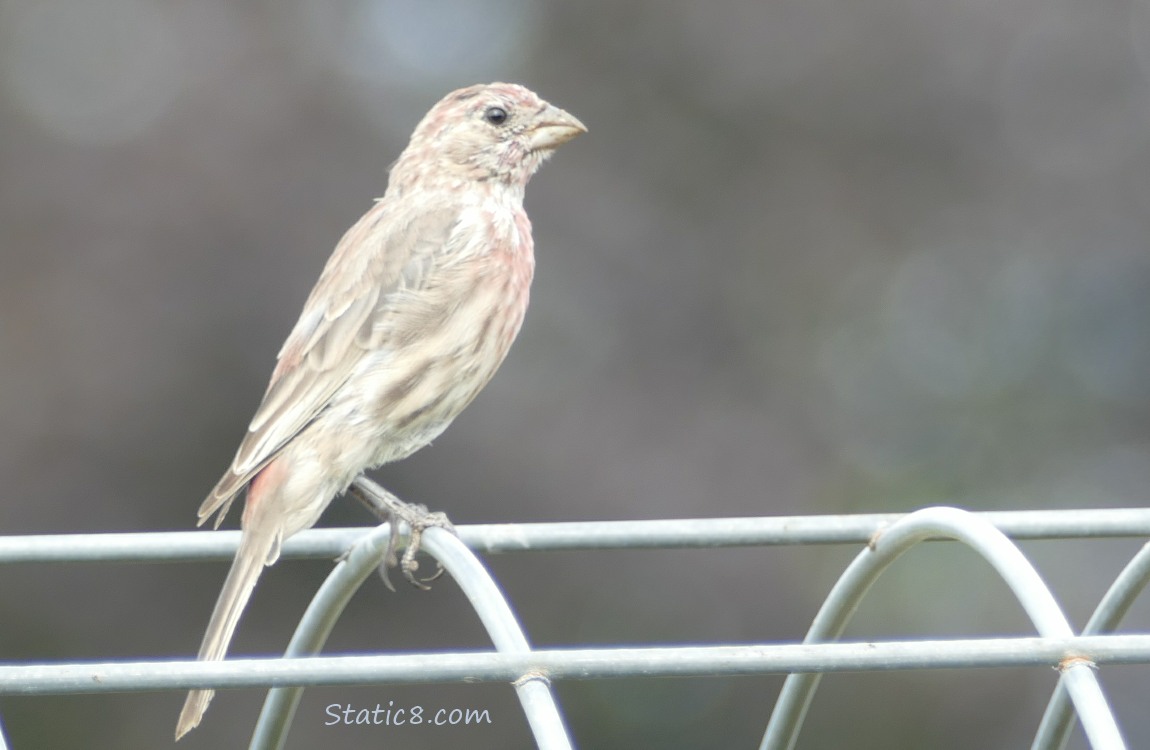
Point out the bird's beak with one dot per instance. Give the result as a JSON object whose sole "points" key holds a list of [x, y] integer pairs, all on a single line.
{"points": [[553, 127]]}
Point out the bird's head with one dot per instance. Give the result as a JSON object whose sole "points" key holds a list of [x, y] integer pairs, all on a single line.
{"points": [[496, 131]]}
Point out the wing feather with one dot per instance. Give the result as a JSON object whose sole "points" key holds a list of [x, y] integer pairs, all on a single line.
{"points": [[381, 256]]}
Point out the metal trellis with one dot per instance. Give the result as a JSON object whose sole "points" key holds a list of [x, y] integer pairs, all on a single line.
{"points": [[885, 537]]}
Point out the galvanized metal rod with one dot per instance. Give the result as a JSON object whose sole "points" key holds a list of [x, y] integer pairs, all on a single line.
{"points": [[314, 627], [1015, 570], [572, 664], [1058, 720], [362, 558], [532, 685], [187, 546]]}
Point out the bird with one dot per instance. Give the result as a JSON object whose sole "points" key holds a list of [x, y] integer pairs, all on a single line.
{"points": [[411, 316]]}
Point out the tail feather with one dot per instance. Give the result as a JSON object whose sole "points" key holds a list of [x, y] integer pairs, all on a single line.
{"points": [[255, 548]]}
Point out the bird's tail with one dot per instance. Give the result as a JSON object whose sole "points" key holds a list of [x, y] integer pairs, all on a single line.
{"points": [[257, 548]]}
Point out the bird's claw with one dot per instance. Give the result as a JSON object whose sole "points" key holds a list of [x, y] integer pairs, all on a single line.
{"points": [[418, 522], [387, 506]]}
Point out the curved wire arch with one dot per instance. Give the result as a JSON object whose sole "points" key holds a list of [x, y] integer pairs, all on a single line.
{"points": [[1058, 720], [890, 543], [365, 556]]}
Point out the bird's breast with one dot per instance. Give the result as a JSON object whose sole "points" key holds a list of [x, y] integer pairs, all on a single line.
{"points": [[469, 313]]}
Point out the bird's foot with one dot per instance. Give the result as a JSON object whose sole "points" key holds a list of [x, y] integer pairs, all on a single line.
{"points": [[387, 506]]}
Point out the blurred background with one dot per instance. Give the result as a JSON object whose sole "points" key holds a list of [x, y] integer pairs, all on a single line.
{"points": [[813, 256]]}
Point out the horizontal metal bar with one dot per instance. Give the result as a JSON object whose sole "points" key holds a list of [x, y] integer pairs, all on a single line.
{"points": [[786, 530], [597, 663], [185, 546]]}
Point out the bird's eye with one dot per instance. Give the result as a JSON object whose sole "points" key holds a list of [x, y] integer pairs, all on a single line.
{"points": [[495, 115]]}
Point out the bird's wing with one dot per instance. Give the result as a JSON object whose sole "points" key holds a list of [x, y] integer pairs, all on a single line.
{"points": [[383, 254]]}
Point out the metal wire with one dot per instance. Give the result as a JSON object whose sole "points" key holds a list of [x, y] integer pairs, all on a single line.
{"points": [[533, 688], [314, 627], [1054, 731], [1011, 565], [191, 546], [889, 535], [571, 664]]}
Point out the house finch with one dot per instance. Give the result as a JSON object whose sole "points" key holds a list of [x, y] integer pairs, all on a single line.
{"points": [[410, 318]]}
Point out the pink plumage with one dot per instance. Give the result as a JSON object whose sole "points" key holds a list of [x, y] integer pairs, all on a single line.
{"points": [[412, 315]]}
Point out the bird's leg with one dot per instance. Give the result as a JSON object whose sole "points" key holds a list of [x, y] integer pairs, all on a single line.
{"points": [[375, 506], [387, 506]]}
